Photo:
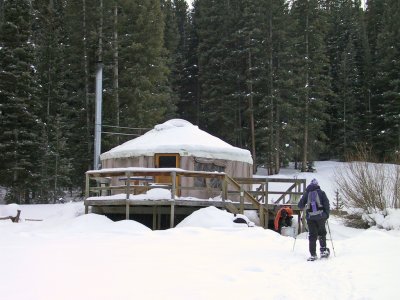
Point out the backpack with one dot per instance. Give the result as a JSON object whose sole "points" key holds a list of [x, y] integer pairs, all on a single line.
{"points": [[314, 206], [283, 217]]}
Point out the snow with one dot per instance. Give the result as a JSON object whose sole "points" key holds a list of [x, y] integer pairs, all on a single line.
{"points": [[70, 255], [153, 194], [179, 136], [211, 217], [389, 222]]}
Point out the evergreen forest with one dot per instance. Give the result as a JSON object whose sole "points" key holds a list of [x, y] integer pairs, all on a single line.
{"points": [[291, 81]]}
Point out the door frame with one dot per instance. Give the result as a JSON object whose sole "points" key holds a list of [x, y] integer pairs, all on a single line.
{"points": [[168, 179]]}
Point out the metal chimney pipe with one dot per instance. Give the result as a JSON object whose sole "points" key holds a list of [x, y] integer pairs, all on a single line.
{"points": [[98, 108]]}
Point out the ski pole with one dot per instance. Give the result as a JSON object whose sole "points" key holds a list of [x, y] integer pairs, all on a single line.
{"points": [[299, 227], [294, 244], [330, 235]]}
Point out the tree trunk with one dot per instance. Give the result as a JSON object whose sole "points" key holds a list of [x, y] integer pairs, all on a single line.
{"points": [[251, 111], [272, 146], [86, 71], [115, 71], [306, 101], [100, 49], [277, 140]]}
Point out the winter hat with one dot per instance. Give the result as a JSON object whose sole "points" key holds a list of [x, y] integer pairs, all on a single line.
{"points": [[314, 182]]}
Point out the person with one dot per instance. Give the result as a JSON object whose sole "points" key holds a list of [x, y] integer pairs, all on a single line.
{"points": [[283, 218], [316, 204]]}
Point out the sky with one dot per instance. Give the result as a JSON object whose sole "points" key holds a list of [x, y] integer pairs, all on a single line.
{"points": [[70, 255]]}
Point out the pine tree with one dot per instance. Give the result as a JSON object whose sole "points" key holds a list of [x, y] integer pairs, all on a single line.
{"points": [[80, 21], [348, 106], [338, 202], [386, 87], [311, 73], [214, 27], [19, 106], [188, 70], [50, 41], [183, 70], [172, 45], [272, 82], [145, 96]]}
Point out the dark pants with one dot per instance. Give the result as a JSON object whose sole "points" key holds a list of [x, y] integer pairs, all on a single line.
{"points": [[316, 229]]}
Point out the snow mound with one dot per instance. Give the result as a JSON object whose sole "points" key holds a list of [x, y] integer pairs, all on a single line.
{"points": [[89, 222], [172, 124], [130, 226], [92, 223], [9, 210], [210, 217]]}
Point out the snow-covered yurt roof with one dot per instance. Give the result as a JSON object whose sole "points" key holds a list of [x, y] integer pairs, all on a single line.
{"points": [[179, 136]]}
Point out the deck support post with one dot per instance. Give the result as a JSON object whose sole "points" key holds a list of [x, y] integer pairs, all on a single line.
{"points": [[127, 212], [154, 217], [262, 215], [266, 220], [159, 218], [172, 217]]}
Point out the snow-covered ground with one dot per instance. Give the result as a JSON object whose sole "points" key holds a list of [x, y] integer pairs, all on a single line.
{"points": [[74, 256]]}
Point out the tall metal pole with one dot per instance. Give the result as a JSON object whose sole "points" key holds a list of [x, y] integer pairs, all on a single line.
{"points": [[97, 125]]}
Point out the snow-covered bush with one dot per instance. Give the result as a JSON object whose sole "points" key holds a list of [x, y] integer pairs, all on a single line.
{"points": [[389, 220], [369, 189]]}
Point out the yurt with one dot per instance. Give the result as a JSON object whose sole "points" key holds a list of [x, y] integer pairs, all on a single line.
{"points": [[179, 144]]}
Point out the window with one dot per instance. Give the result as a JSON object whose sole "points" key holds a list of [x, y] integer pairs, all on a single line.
{"points": [[167, 161], [207, 167]]}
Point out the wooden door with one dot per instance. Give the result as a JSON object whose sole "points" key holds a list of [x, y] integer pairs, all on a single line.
{"points": [[166, 160]]}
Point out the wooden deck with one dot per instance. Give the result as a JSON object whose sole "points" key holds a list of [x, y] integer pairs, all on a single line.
{"points": [[253, 194]]}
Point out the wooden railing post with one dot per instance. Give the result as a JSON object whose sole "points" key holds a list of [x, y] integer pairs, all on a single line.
{"points": [[173, 190], [304, 211], [241, 200], [173, 187], [128, 192], [87, 192], [266, 203], [224, 194], [87, 186]]}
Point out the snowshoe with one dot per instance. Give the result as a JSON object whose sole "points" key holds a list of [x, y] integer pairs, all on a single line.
{"points": [[325, 253], [312, 258]]}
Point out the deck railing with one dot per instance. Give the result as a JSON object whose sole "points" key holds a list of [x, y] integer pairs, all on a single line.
{"points": [[257, 192]]}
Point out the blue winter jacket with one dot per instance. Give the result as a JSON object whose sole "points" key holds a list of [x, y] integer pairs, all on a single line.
{"points": [[323, 200]]}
